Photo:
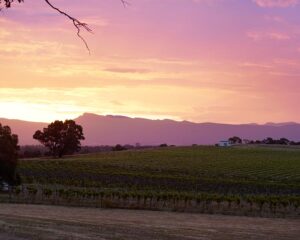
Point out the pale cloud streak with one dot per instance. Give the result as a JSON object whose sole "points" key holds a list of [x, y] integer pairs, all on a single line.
{"points": [[276, 3], [258, 36]]}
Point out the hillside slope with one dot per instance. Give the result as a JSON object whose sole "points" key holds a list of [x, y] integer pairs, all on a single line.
{"points": [[111, 130]]}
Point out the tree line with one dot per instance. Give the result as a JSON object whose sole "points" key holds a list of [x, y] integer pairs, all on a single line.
{"points": [[268, 141], [39, 151], [60, 138]]}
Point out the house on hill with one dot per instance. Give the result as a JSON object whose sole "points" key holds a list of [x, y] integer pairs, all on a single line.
{"points": [[224, 143], [4, 186]]}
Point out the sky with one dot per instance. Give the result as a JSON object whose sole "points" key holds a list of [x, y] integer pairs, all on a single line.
{"points": [[226, 61]]}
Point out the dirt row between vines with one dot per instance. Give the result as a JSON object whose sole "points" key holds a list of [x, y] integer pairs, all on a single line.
{"points": [[24, 222]]}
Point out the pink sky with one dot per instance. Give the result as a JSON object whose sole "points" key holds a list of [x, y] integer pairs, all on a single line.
{"points": [[230, 61]]}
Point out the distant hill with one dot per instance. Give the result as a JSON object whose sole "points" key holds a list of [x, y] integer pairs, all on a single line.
{"points": [[24, 129], [111, 130]]}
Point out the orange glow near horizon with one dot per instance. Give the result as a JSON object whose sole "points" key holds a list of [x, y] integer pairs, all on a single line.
{"points": [[203, 61]]}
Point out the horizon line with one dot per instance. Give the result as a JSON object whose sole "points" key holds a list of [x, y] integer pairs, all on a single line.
{"points": [[155, 119]]}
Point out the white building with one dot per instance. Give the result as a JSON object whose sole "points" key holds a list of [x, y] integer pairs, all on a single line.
{"points": [[4, 187], [225, 143]]}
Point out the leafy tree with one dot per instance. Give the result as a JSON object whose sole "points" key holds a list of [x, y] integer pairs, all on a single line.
{"points": [[235, 140], [61, 138], [8, 156], [119, 147], [294, 143], [163, 145], [268, 140]]}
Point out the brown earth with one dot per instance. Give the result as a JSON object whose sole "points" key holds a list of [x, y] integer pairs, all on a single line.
{"points": [[24, 222]]}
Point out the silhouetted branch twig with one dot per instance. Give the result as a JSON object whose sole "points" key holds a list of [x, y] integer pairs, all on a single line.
{"points": [[77, 23]]}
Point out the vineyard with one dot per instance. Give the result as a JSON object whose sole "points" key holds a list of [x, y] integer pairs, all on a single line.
{"points": [[173, 178]]}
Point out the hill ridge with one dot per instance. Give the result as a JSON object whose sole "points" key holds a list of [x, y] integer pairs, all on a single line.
{"points": [[111, 130]]}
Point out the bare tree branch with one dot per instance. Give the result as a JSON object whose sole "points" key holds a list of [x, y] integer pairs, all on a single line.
{"points": [[77, 23]]}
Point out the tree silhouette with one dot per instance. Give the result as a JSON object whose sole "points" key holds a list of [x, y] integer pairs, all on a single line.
{"points": [[8, 155], [61, 138], [77, 23], [7, 3], [235, 140]]}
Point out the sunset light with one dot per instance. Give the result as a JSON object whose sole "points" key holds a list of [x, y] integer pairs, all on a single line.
{"points": [[149, 119], [194, 60]]}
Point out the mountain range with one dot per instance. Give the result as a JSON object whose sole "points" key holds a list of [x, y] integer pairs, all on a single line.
{"points": [[112, 130]]}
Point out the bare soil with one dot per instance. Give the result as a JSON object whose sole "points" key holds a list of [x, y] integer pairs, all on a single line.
{"points": [[24, 222]]}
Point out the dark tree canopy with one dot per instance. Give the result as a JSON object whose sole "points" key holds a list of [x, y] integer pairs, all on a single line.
{"points": [[8, 155], [61, 138], [7, 3], [235, 140]]}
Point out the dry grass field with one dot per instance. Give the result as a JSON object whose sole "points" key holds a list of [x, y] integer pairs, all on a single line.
{"points": [[24, 222]]}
